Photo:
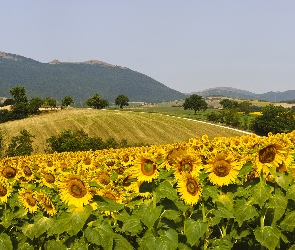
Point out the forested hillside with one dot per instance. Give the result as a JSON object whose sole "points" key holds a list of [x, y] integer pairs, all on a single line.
{"points": [[79, 80]]}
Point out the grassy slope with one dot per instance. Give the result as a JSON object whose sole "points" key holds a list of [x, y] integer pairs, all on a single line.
{"points": [[136, 127]]}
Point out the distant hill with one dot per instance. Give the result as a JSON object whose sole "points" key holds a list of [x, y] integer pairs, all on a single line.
{"points": [[243, 94], [80, 80]]}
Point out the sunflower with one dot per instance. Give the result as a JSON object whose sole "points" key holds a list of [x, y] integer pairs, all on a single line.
{"points": [[102, 176], [46, 203], [224, 168], [48, 179], [28, 200], [144, 168], [5, 190], [189, 189], [74, 190], [187, 163], [9, 169], [271, 158]]}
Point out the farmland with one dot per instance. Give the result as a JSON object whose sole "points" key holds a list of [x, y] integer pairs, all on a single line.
{"points": [[154, 126]]}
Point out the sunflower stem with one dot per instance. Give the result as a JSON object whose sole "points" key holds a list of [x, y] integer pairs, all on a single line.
{"points": [[154, 194], [204, 220]]}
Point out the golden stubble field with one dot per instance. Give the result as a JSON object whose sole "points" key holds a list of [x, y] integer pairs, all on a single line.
{"points": [[137, 127]]}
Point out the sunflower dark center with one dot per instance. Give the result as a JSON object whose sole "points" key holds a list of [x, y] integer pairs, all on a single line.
{"points": [[267, 154], [87, 161], [127, 181], [110, 196], [49, 178], [30, 199], [186, 166], [221, 168], [9, 172], [77, 188], [148, 167], [192, 186], [3, 190], [104, 178], [27, 171]]}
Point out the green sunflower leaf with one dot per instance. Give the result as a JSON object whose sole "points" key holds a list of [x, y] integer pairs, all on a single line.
{"points": [[283, 180], [149, 215], [106, 204], [288, 224], [223, 243], [279, 204], [133, 225], [71, 221], [5, 242], [244, 211], [121, 243], [168, 240], [194, 230], [268, 236], [261, 192], [100, 234], [246, 169], [40, 226], [291, 192], [56, 245], [166, 190]]}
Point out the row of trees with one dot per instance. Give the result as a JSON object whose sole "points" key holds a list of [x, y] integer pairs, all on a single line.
{"points": [[66, 141], [22, 107], [275, 119]]}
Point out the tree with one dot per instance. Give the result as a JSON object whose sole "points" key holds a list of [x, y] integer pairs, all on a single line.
{"points": [[97, 102], [34, 105], [195, 102], [274, 119], [8, 101], [67, 101], [20, 145], [50, 102], [246, 107], [19, 94], [1, 143], [121, 101], [229, 104]]}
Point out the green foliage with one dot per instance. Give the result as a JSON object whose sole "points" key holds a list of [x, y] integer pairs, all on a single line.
{"points": [[8, 101], [122, 100], [195, 102], [21, 144], [97, 102], [79, 81], [229, 104], [19, 94], [67, 101], [34, 105], [274, 119], [73, 141], [51, 102]]}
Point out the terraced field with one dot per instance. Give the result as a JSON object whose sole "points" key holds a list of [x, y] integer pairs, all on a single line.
{"points": [[136, 127]]}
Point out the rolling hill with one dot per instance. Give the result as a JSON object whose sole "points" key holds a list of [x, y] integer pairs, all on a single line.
{"points": [[247, 95], [79, 80], [136, 127]]}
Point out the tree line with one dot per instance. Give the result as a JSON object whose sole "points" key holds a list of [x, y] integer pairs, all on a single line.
{"points": [[21, 107], [66, 141], [274, 119]]}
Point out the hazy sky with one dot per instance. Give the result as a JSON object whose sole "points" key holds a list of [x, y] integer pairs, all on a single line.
{"points": [[188, 45]]}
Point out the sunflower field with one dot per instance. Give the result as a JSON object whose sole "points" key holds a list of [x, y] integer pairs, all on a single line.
{"points": [[224, 193]]}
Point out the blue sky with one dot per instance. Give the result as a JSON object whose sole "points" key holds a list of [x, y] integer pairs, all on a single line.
{"points": [[187, 45]]}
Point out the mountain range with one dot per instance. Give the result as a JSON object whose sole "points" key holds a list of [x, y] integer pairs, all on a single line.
{"points": [[247, 95], [80, 80]]}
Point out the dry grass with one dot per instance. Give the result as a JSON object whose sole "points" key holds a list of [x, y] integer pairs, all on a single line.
{"points": [[136, 127]]}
